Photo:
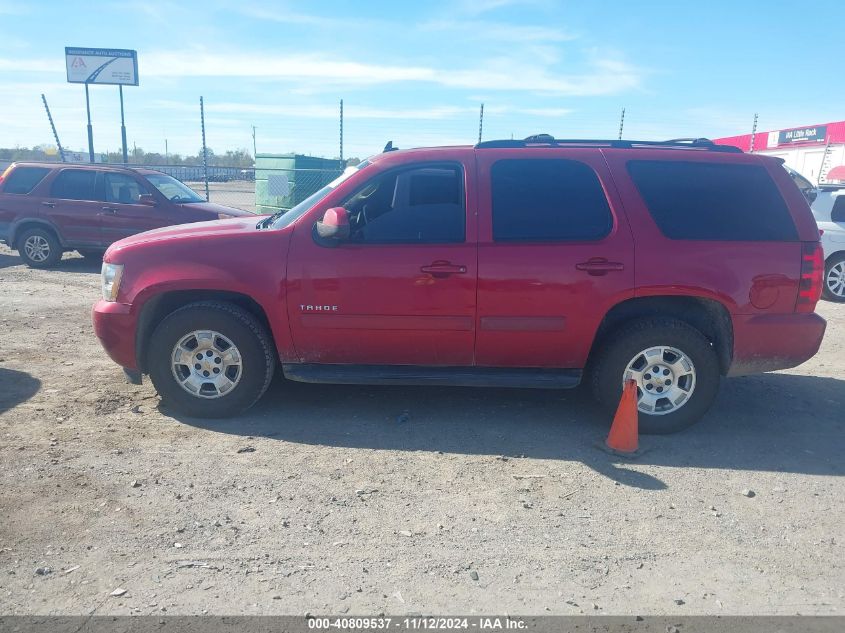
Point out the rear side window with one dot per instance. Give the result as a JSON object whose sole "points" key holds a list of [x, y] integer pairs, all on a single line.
{"points": [[713, 201], [548, 200], [23, 179], [122, 189], [74, 184]]}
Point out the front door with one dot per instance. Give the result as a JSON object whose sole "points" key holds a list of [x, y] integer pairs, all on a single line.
{"points": [[401, 289], [122, 214], [555, 253]]}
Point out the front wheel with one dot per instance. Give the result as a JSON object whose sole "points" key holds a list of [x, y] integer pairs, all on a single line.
{"points": [[833, 288], [210, 359], [674, 366]]}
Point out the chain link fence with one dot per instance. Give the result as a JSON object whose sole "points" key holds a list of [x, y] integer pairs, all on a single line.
{"points": [[262, 190]]}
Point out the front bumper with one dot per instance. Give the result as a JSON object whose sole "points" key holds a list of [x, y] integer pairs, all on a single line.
{"points": [[115, 325], [777, 341]]}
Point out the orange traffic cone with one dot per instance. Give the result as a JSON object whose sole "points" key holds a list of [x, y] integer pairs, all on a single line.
{"points": [[623, 436]]}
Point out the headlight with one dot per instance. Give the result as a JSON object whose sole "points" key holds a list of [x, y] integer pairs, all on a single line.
{"points": [[111, 274]]}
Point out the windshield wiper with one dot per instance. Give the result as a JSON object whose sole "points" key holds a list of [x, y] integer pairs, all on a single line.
{"points": [[263, 224]]}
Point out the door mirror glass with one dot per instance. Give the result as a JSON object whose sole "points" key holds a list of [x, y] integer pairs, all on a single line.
{"points": [[147, 199], [335, 224]]}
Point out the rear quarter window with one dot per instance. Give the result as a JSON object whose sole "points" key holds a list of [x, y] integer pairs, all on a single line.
{"points": [[22, 180], [713, 201]]}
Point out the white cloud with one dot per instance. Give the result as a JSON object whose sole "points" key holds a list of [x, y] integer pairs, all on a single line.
{"points": [[500, 31]]}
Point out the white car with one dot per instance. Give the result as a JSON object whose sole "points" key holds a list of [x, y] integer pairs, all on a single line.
{"points": [[829, 211]]}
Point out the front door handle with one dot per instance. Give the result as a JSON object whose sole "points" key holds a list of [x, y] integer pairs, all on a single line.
{"points": [[49, 204], [109, 209], [443, 269], [599, 266]]}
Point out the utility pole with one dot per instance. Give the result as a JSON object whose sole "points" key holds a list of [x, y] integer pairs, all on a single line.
{"points": [[753, 134], [342, 166], [53, 127], [621, 123], [480, 122], [254, 151], [204, 150]]}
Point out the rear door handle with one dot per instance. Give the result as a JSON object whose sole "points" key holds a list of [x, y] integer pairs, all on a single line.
{"points": [[599, 266], [49, 204], [443, 269]]}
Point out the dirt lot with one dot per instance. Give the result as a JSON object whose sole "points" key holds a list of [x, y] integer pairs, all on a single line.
{"points": [[322, 500]]}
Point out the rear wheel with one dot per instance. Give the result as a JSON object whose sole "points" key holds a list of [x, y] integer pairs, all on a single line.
{"points": [[210, 359], [674, 366], [833, 288], [39, 248]]}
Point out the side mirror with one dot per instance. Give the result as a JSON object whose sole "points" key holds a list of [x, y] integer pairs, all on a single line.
{"points": [[147, 199], [335, 224]]}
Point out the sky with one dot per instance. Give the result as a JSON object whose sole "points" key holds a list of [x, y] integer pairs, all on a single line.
{"points": [[416, 73]]}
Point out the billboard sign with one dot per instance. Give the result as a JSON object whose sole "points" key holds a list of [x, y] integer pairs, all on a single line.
{"points": [[816, 133], [113, 66]]}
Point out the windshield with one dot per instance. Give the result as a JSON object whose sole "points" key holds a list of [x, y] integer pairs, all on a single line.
{"points": [[289, 217], [172, 189]]}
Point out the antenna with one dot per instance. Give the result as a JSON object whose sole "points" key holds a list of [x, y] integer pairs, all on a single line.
{"points": [[341, 133], [480, 122], [621, 123]]}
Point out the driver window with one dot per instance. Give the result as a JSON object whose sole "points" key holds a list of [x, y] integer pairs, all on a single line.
{"points": [[122, 189], [420, 205]]}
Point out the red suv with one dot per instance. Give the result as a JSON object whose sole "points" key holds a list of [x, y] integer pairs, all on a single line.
{"points": [[48, 208], [536, 263]]}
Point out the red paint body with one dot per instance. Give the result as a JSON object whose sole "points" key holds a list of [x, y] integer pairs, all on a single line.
{"points": [[95, 224], [476, 303]]}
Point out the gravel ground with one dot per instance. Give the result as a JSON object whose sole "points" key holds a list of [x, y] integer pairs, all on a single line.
{"points": [[329, 499]]}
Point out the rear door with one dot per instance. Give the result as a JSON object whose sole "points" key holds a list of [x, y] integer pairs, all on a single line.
{"points": [[73, 207], [123, 215], [555, 253], [19, 196]]}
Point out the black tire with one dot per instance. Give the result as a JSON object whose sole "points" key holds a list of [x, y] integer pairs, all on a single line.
{"points": [[44, 237], [93, 254], [826, 292], [241, 328], [618, 350]]}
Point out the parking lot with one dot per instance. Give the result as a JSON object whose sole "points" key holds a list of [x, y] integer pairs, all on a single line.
{"points": [[397, 499]]}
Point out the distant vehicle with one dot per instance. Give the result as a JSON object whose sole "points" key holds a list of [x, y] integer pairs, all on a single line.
{"points": [[829, 211], [535, 263], [49, 208]]}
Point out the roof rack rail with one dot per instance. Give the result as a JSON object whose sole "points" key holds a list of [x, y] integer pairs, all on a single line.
{"points": [[547, 140]]}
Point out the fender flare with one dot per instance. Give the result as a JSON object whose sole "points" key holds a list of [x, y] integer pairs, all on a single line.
{"points": [[15, 228]]}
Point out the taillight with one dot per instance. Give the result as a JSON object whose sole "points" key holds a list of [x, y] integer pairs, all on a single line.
{"points": [[812, 276], [4, 174]]}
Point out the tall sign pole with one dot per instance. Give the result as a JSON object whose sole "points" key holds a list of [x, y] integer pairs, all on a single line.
{"points": [[123, 128], [107, 66], [90, 128]]}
